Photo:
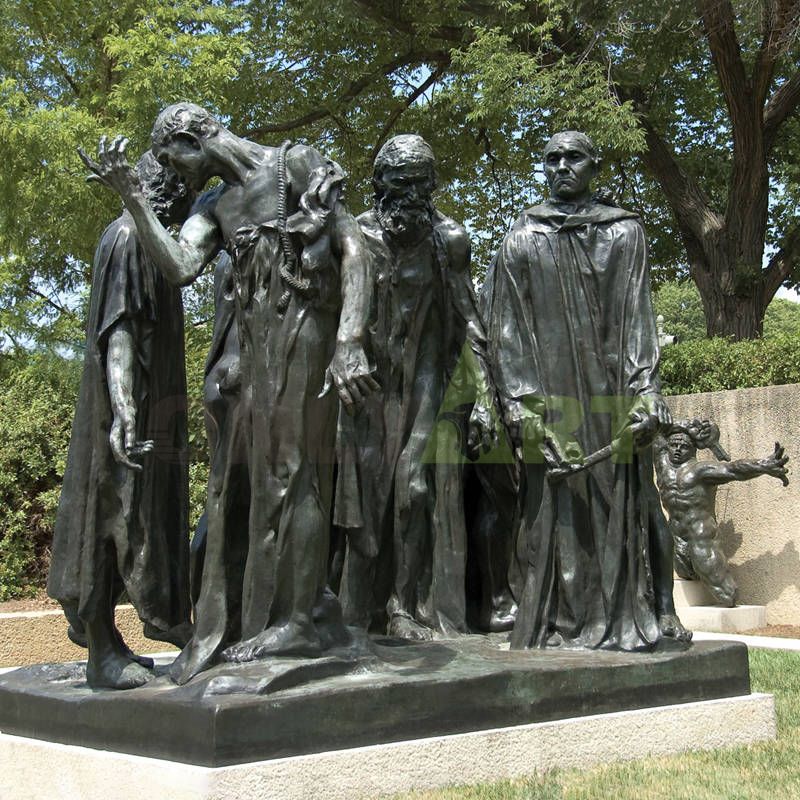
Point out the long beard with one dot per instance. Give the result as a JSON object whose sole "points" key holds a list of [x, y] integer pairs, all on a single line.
{"points": [[404, 219]]}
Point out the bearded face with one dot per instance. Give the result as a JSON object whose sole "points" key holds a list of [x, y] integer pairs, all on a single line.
{"points": [[403, 200]]}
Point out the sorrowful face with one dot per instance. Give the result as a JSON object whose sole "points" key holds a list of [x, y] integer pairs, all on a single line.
{"points": [[680, 448], [404, 195], [186, 155]]}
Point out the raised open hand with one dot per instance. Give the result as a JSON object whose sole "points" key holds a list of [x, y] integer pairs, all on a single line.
{"points": [[112, 168], [775, 465]]}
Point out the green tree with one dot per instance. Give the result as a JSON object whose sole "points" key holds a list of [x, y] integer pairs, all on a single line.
{"points": [[680, 305], [693, 104], [714, 86]]}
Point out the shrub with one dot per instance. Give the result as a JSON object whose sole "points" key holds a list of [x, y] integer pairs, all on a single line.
{"points": [[37, 400], [711, 365]]}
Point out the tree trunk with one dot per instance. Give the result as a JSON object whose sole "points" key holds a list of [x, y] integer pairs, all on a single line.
{"points": [[734, 307]]}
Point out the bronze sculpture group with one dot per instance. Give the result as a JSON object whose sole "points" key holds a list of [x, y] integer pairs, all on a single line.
{"points": [[336, 343]]}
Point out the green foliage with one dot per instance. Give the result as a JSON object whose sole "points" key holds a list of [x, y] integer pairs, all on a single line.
{"points": [[70, 72], [198, 341], [485, 83], [680, 305], [712, 365], [782, 317], [37, 400]]}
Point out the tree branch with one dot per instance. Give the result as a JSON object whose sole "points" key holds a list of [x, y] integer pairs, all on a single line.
{"points": [[47, 42], [50, 302], [355, 88], [389, 17], [690, 204], [781, 105], [782, 263], [718, 20], [408, 101]]}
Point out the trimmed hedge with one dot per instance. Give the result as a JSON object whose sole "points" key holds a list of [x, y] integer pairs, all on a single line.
{"points": [[712, 365]]}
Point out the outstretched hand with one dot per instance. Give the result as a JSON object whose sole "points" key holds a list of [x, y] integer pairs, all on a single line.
{"points": [[775, 465], [351, 374], [112, 168], [706, 433]]}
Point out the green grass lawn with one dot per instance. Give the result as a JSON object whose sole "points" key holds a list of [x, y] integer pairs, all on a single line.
{"points": [[770, 771]]}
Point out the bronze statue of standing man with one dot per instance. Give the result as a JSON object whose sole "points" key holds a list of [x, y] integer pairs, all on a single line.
{"points": [[122, 521], [574, 350], [301, 296], [406, 556]]}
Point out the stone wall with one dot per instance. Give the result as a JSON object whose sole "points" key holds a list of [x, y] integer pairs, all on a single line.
{"points": [[759, 519]]}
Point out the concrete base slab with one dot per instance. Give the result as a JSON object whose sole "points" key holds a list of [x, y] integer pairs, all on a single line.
{"points": [[723, 620], [38, 770]]}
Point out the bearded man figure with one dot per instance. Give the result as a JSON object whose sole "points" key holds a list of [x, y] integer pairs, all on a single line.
{"points": [[574, 347], [123, 515], [299, 268], [400, 493]]}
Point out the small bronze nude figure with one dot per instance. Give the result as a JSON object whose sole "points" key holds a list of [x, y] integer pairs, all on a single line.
{"points": [[688, 490]]}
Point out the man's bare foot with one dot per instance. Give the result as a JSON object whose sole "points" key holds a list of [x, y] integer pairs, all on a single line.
{"points": [[77, 635], [116, 671], [401, 626], [671, 626], [288, 640]]}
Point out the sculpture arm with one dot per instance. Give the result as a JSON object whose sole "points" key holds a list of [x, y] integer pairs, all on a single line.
{"points": [[716, 472], [180, 261], [349, 369], [120, 359], [660, 452], [485, 415]]}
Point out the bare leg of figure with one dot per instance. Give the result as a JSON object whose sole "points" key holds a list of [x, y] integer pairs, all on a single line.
{"points": [[711, 567], [110, 664], [661, 555]]}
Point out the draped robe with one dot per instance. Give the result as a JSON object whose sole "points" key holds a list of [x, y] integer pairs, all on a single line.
{"points": [[104, 506], [571, 323]]}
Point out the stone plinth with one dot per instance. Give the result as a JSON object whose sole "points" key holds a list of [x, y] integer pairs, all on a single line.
{"points": [[696, 608], [718, 619], [386, 691], [37, 770]]}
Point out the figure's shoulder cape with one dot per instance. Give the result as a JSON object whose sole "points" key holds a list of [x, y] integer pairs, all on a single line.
{"points": [[550, 215]]}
